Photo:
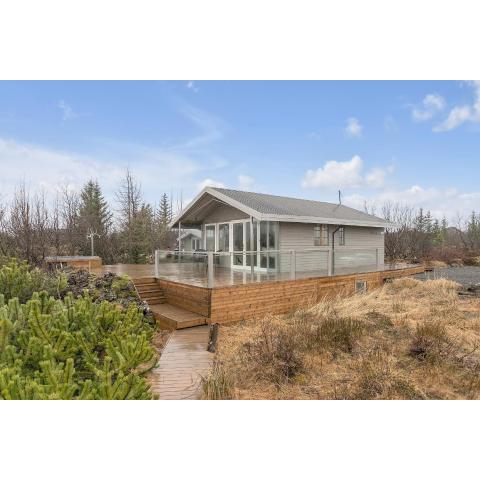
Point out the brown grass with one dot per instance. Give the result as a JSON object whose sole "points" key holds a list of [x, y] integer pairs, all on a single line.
{"points": [[407, 340]]}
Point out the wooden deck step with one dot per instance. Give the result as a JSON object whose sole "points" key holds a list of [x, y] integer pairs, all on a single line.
{"points": [[170, 316], [149, 291], [144, 281]]}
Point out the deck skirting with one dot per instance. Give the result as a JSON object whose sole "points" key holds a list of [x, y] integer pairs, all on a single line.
{"points": [[255, 300]]}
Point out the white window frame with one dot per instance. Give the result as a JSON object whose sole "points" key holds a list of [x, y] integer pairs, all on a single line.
{"points": [[215, 235]]}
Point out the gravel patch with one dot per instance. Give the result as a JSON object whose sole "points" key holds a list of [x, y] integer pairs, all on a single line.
{"points": [[464, 275]]}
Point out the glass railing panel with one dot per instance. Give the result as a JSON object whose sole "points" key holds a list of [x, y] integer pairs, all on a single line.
{"points": [[351, 260], [311, 263]]}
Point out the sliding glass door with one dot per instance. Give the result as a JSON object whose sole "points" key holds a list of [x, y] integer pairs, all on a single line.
{"points": [[238, 244]]}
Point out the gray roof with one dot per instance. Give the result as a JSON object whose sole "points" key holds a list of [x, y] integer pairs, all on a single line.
{"points": [[274, 208], [296, 207]]}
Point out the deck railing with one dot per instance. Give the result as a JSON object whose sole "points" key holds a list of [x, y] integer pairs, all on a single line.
{"points": [[229, 268]]}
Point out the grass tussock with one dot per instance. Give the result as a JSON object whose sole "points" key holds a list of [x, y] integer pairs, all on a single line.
{"points": [[407, 340]]}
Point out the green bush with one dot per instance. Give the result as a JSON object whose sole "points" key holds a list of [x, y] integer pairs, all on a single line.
{"points": [[18, 280], [71, 348]]}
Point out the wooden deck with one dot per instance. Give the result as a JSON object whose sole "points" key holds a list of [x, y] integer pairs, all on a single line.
{"points": [[177, 304], [196, 274], [183, 363]]}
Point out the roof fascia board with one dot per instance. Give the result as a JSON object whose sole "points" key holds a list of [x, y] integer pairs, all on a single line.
{"points": [[220, 196], [325, 220]]}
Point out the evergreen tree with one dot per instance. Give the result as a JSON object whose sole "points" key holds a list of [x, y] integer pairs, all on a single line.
{"points": [[164, 213], [95, 216]]}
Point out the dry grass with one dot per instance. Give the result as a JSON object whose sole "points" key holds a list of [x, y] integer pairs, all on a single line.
{"points": [[407, 340]]}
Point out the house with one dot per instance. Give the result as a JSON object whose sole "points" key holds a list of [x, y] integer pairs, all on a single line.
{"points": [[190, 240], [264, 232], [264, 254]]}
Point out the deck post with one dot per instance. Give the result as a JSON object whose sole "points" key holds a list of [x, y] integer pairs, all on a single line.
{"points": [[210, 274], [293, 265], [156, 263]]}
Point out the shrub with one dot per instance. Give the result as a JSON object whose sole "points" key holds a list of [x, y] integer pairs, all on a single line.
{"points": [[431, 342], [54, 349], [218, 384], [338, 333], [18, 280], [276, 351]]}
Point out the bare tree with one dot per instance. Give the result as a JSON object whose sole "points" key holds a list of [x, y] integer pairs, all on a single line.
{"points": [[70, 219]]}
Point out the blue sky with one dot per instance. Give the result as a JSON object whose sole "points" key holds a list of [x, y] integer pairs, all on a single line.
{"points": [[409, 142]]}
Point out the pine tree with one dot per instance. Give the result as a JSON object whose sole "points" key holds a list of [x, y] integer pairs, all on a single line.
{"points": [[75, 348], [95, 216], [164, 213]]}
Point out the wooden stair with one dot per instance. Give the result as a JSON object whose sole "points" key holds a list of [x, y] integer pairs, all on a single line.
{"points": [[167, 316], [149, 291], [175, 318]]}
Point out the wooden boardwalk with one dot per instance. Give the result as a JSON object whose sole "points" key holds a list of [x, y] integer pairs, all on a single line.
{"points": [[184, 360]]}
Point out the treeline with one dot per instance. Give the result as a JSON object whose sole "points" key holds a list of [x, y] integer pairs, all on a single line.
{"points": [[416, 235], [128, 231]]}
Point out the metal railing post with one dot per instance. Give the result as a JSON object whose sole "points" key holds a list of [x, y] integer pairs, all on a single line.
{"points": [[293, 265], [156, 264], [210, 273]]}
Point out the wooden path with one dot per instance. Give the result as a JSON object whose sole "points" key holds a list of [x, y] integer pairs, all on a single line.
{"points": [[184, 360]]}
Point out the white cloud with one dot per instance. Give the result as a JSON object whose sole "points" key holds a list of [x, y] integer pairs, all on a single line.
{"points": [[458, 115], [157, 170], [208, 182], [431, 105], [353, 128], [67, 111], [440, 201], [347, 174], [192, 86], [245, 182]]}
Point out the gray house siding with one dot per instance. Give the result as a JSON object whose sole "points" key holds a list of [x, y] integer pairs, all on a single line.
{"points": [[224, 213], [361, 244], [299, 236]]}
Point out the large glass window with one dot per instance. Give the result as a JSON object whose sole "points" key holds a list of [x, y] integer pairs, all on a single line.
{"points": [[268, 241], [210, 238], [320, 235], [223, 237], [251, 242], [238, 243]]}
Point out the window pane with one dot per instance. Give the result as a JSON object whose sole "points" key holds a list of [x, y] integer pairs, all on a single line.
{"points": [[324, 236], [210, 236], [223, 237], [272, 235], [263, 235], [238, 243]]}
